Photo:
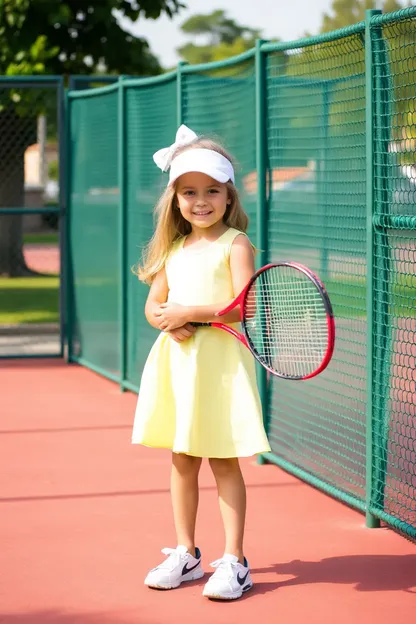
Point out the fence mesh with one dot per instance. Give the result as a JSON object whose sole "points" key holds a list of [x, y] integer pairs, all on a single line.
{"points": [[221, 104], [29, 243], [317, 215], [95, 226], [316, 143], [78, 83], [151, 122], [394, 422]]}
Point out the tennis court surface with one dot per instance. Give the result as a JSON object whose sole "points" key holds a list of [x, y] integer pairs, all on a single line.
{"points": [[84, 515]]}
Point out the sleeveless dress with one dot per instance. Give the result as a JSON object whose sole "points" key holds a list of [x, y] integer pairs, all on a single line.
{"points": [[200, 396]]}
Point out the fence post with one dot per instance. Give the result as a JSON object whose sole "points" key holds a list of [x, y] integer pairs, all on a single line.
{"points": [[371, 520], [383, 266], [322, 177], [122, 179], [179, 92], [62, 213], [263, 182], [69, 277]]}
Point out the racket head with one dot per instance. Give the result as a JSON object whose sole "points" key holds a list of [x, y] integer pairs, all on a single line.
{"points": [[288, 321]]}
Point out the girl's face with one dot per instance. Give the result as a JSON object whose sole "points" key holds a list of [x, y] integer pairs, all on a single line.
{"points": [[201, 199]]}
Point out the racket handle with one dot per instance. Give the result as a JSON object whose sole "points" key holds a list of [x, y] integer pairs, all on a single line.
{"points": [[201, 324]]}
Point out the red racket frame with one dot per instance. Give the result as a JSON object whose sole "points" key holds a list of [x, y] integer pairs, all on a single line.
{"points": [[244, 337]]}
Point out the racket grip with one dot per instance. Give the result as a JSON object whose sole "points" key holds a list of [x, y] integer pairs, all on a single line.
{"points": [[201, 324]]}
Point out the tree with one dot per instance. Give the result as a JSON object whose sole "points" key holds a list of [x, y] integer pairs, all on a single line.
{"points": [[50, 37], [224, 38], [348, 12]]}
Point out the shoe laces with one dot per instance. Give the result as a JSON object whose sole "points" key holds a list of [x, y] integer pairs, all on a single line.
{"points": [[224, 568], [173, 558]]}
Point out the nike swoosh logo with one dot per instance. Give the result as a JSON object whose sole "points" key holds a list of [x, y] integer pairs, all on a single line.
{"points": [[186, 570], [242, 579]]}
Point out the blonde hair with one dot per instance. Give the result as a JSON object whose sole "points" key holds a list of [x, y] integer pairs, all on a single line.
{"points": [[171, 225]]}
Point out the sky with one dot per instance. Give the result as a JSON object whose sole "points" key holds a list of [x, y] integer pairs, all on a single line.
{"points": [[283, 19]]}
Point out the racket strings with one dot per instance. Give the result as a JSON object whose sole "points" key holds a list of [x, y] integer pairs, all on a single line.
{"points": [[286, 321]]}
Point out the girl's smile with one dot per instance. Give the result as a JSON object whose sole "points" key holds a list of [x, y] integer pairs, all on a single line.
{"points": [[202, 213]]}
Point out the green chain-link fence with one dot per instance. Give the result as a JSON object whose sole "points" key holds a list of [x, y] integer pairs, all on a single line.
{"points": [[146, 123], [30, 216], [94, 232], [330, 123], [394, 269], [316, 145]]}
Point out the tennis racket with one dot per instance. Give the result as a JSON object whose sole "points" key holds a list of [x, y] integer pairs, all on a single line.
{"points": [[287, 320]]}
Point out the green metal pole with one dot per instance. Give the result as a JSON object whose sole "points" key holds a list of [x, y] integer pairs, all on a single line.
{"points": [[62, 213], [122, 180], [382, 273], [179, 93], [69, 276], [262, 202], [371, 520], [322, 180], [261, 154]]}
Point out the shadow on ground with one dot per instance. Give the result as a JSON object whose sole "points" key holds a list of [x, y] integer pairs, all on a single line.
{"points": [[364, 572]]}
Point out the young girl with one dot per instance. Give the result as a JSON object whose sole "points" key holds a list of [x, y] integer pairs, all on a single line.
{"points": [[198, 394]]}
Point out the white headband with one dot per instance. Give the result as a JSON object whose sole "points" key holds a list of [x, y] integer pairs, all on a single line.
{"points": [[202, 160]]}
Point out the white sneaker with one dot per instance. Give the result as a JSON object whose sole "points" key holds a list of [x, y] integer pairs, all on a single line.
{"points": [[230, 580], [180, 566]]}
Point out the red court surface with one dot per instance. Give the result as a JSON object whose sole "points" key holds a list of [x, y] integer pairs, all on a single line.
{"points": [[42, 258], [84, 515]]}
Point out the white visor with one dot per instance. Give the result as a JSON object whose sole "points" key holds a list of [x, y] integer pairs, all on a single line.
{"points": [[202, 160]]}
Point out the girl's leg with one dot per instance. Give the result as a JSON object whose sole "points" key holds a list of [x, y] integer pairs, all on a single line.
{"points": [[232, 499], [185, 496]]}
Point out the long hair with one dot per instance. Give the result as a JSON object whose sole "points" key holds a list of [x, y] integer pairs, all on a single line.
{"points": [[170, 224]]}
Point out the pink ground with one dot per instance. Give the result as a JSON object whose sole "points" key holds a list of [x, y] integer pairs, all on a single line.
{"points": [[84, 515], [42, 258]]}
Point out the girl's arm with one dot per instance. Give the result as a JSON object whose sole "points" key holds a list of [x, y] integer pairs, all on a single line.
{"points": [[242, 268], [158, 294]]}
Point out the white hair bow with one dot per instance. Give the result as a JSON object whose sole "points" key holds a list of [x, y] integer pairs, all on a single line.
{"points": [[163, 157]]}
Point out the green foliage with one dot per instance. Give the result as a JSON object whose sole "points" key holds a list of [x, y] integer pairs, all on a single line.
{"points": [[40, 37], [194, 54], [69, 37], [219, 28], [224, 38], [348, 12], [52, 37], [44, 238], [53, 170]]}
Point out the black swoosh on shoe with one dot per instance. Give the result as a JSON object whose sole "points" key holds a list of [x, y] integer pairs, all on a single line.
{"points": [[186, 570], [242, 579]]}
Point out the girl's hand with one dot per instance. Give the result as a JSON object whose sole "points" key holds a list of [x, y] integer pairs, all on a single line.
{"points": [[172, 315], [182, 333]]}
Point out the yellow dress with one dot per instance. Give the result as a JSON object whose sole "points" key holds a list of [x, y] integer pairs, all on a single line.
{"points": [[200, 396]]}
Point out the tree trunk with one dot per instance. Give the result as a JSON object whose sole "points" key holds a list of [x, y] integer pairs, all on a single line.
{"points": [[15, 135]]}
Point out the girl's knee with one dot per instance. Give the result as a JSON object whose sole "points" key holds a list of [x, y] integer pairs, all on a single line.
{"points": [[224, 467], [186, 464]]}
